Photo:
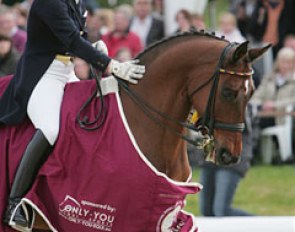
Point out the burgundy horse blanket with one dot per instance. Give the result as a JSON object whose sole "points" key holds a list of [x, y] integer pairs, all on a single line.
{"points": [[96, 180]]}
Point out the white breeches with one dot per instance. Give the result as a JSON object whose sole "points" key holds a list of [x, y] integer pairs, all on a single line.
{"points": [[45, 101]]}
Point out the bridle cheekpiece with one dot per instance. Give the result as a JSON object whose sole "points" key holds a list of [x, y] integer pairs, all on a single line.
{"points": [[207, 122]]}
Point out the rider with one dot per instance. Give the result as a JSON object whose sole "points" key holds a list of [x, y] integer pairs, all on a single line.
{"points": [[56, 33]]}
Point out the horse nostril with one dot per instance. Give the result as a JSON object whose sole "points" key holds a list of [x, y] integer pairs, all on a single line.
{"points": [[226, 158]]}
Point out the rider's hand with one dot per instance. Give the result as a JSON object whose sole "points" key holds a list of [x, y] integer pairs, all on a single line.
{"points": [[129, 71], [101, 47]]}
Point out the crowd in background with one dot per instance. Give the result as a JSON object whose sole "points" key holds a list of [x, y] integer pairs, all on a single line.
{"points": [[128, 29]]}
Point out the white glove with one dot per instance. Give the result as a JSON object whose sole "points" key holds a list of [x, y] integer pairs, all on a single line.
{"points": [[101, 47], [129, 71]]}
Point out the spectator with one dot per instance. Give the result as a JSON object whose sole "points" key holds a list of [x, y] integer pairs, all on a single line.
{"points": [[198, 22], [26, 4], [277, 89], [120, 36], [107, 20], [9, 28], [128, 9], [21, 15], [228, 28], [94, 26], [184, 21], [290, 41], [220, 183], [124, 54], [158, 6], [144, 24], [272, 20], [243, 10], [8, 56], [82, 69]]}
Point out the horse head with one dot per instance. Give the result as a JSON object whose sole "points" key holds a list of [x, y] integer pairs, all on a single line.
{"points": [[227, 90], [183, 71]]}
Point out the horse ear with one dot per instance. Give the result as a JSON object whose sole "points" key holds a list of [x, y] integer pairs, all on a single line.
{"points": [[255, 53], [240, 51]]}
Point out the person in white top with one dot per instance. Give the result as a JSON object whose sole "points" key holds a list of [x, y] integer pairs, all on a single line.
{"points": [[228, 28]]}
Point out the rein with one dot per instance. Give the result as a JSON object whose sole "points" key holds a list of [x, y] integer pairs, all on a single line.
{"points": [[208, 122], [99, 119], [147, 109]]}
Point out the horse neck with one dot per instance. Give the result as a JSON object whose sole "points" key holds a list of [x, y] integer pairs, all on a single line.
{"points": [[164, 87]]}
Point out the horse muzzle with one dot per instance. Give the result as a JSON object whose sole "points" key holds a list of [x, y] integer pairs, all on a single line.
{"points": [[219, 156]]}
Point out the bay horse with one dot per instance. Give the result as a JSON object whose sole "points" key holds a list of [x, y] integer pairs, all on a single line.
{"points": [[189, 70]]}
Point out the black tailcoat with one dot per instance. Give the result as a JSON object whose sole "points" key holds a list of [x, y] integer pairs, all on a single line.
{"points": [[53, 28]]}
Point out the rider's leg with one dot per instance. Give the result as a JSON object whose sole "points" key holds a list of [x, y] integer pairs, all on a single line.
{"points": [[35, 154], [44, 111]]}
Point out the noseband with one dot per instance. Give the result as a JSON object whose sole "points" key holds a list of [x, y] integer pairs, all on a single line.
{"points": [[207, 123]]}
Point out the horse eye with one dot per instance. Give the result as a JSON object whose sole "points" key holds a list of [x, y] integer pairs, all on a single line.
{"points": [[229, 94]]}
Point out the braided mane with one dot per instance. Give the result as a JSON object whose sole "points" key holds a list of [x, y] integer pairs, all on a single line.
{"points": [[179, 35]]}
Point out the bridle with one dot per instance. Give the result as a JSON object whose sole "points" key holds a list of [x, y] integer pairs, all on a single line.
{"points": [[207, 123]]}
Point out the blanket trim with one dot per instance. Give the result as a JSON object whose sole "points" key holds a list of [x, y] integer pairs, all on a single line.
{"points": [[36, 208], [143, 157]]}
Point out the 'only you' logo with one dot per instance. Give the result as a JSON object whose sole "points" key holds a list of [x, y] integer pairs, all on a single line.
{"points": [[86, 213]]}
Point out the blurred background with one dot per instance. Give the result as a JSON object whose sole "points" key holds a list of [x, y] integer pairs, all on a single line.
{"points": [[263, 183]]}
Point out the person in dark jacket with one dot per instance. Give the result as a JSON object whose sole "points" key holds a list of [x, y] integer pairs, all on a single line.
{"points": [[8, 56], [149, 28], [272, 21], [56, 34], [220, 184]]}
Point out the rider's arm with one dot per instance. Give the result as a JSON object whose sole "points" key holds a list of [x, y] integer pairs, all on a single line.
{"points": [[54, 13]]}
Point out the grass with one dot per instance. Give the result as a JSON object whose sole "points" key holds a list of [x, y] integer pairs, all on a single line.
{"points": [[265, 191]]}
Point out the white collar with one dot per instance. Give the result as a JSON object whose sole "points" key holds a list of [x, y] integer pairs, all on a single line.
{"points": [[148, 19], [77, 1]]}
